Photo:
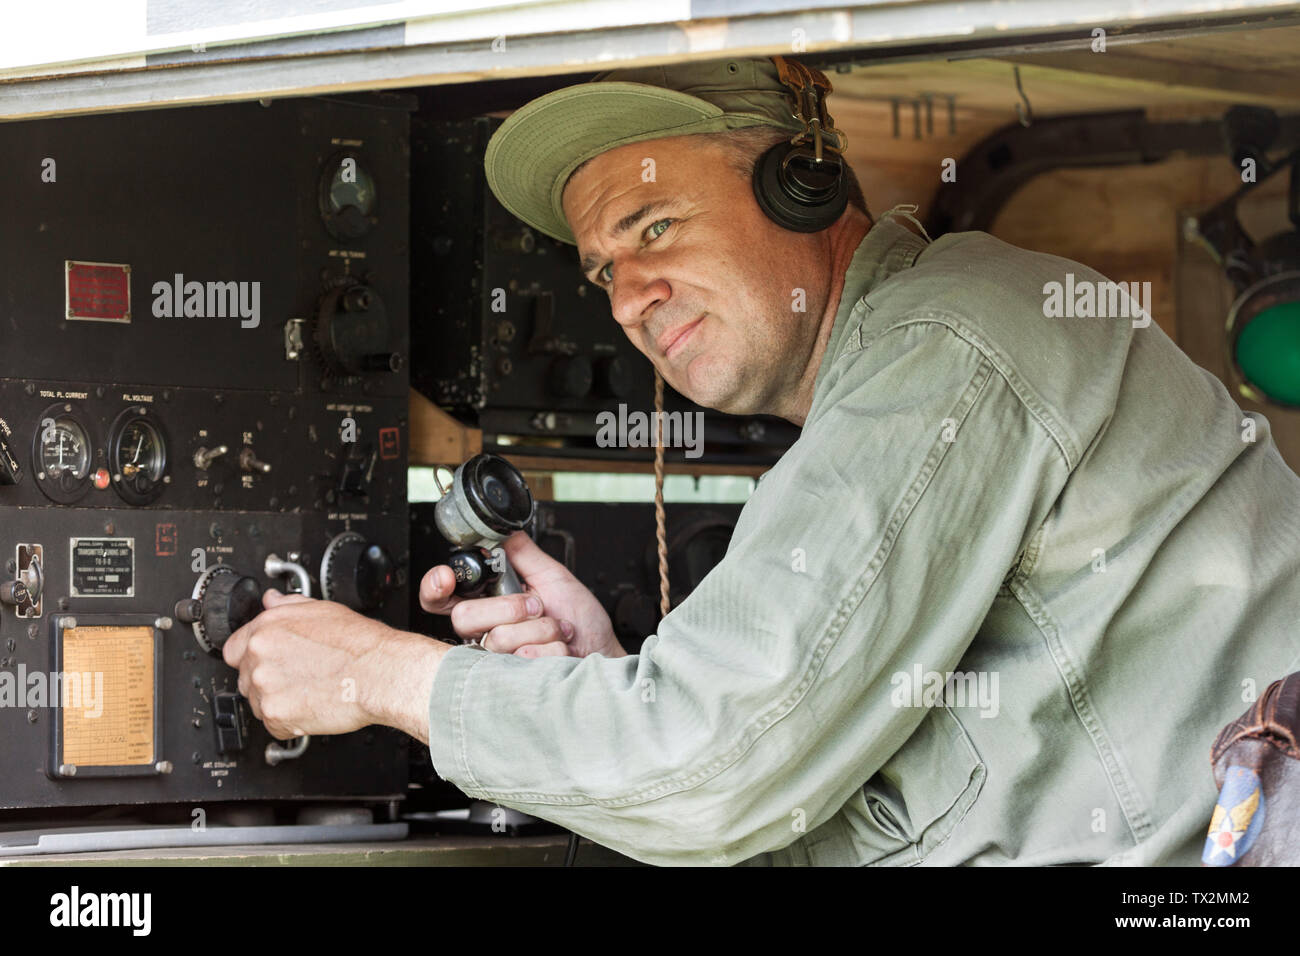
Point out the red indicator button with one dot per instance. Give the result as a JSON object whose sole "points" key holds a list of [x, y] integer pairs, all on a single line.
{"points": [[101, 479]]}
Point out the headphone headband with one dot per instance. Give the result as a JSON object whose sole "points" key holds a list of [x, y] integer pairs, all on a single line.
{"points": [[810, 87]]}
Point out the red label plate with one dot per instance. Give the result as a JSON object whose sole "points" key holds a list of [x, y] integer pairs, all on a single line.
{"points": [[98, 291]]}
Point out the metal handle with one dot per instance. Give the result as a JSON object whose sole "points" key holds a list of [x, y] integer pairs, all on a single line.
{"points": [[509, 582], [276, 567]]}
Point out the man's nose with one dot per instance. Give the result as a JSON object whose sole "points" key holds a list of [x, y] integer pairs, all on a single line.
{"points": [[635, 293]]}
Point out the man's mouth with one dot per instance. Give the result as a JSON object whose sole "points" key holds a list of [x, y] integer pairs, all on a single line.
{"points": [[671, 340]]}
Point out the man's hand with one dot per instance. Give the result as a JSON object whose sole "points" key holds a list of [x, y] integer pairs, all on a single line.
{"points": [[318, 667], [566, 620]]}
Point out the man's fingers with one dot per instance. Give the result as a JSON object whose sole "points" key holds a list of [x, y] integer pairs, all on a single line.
{"points": [[232, 652], [543, 650], [274, 598], [527, 557], [508, 638], [437, 589], [472, 618]]}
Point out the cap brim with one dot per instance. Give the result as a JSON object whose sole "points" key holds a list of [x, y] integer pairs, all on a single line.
{"points": [[531, 155]]}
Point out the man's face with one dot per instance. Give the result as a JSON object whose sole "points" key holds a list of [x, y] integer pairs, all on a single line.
{"points": [[706, 286]]}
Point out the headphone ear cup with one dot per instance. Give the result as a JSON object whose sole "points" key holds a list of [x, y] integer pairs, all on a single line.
{"points": [[807, 196]]}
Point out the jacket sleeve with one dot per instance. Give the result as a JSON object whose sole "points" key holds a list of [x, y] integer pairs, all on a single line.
{"points": [[878, 542]]}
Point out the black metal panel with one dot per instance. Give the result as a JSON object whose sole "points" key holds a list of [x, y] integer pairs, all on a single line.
{"points": [[369, 763], [218, 194]]}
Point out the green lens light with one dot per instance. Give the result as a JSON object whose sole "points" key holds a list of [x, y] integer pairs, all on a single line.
{"points": [[1268, 352]]}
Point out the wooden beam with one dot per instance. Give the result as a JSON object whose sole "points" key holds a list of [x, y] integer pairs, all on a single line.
{"points": [[437, 438], [1195, 80], [529, 463]]}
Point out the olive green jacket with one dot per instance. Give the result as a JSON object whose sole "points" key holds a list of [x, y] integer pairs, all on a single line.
{"points": [[993, 606]]}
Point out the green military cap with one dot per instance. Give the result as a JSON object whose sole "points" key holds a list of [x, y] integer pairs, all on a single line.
{"points": [[532, 153]]}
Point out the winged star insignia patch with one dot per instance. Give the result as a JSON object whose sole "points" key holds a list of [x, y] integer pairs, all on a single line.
{"points": [[1238, 818]]}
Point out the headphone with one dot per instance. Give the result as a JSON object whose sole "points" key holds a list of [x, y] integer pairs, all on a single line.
{"points": [[800, 184]]}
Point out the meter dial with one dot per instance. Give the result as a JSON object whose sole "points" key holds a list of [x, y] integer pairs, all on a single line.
{"points": [[65, 450], [347, 197], [61, 453], [137, 450]]}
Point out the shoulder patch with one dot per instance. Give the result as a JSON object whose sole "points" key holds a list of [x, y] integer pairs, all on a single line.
{"points": [[1238, 818]]}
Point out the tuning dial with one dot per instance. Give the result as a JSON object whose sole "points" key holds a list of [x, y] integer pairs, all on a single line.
{"points": [[613, 378], [570, 377], [356, 573], [223, 601], [352, 332]]}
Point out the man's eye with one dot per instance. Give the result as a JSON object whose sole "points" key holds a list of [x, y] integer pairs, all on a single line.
{"points": [[600, 275]]}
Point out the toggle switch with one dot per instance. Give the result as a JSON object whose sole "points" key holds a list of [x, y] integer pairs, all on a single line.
{"points": [[204, 457], [229, 720], [248, 461]]}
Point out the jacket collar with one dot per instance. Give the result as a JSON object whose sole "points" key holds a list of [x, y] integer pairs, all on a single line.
{"points": [[887, 248]]}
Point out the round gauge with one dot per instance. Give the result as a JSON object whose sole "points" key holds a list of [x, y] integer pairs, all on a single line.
{"points": [[61, 454], [137, 456], [65, 450], [347, 197]]}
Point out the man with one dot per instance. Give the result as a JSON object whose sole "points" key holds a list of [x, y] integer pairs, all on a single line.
{"points": [[993, 606]]}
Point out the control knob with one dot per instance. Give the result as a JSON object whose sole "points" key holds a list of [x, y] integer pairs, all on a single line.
{"points": [[351, 332], [356, 573], [223, 601], [570, 376]]}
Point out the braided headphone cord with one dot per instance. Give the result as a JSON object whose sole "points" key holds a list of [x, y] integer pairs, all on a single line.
{"points": [[660, 534]]}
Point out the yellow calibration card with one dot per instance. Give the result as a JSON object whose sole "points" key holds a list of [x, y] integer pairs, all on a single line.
{"points": [[108, 696]]}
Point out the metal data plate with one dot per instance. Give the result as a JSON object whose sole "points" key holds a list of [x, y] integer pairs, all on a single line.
{"points": [[101, 567]]}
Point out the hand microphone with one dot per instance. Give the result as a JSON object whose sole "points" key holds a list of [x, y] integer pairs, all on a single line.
{"points": [[488, 502]]}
